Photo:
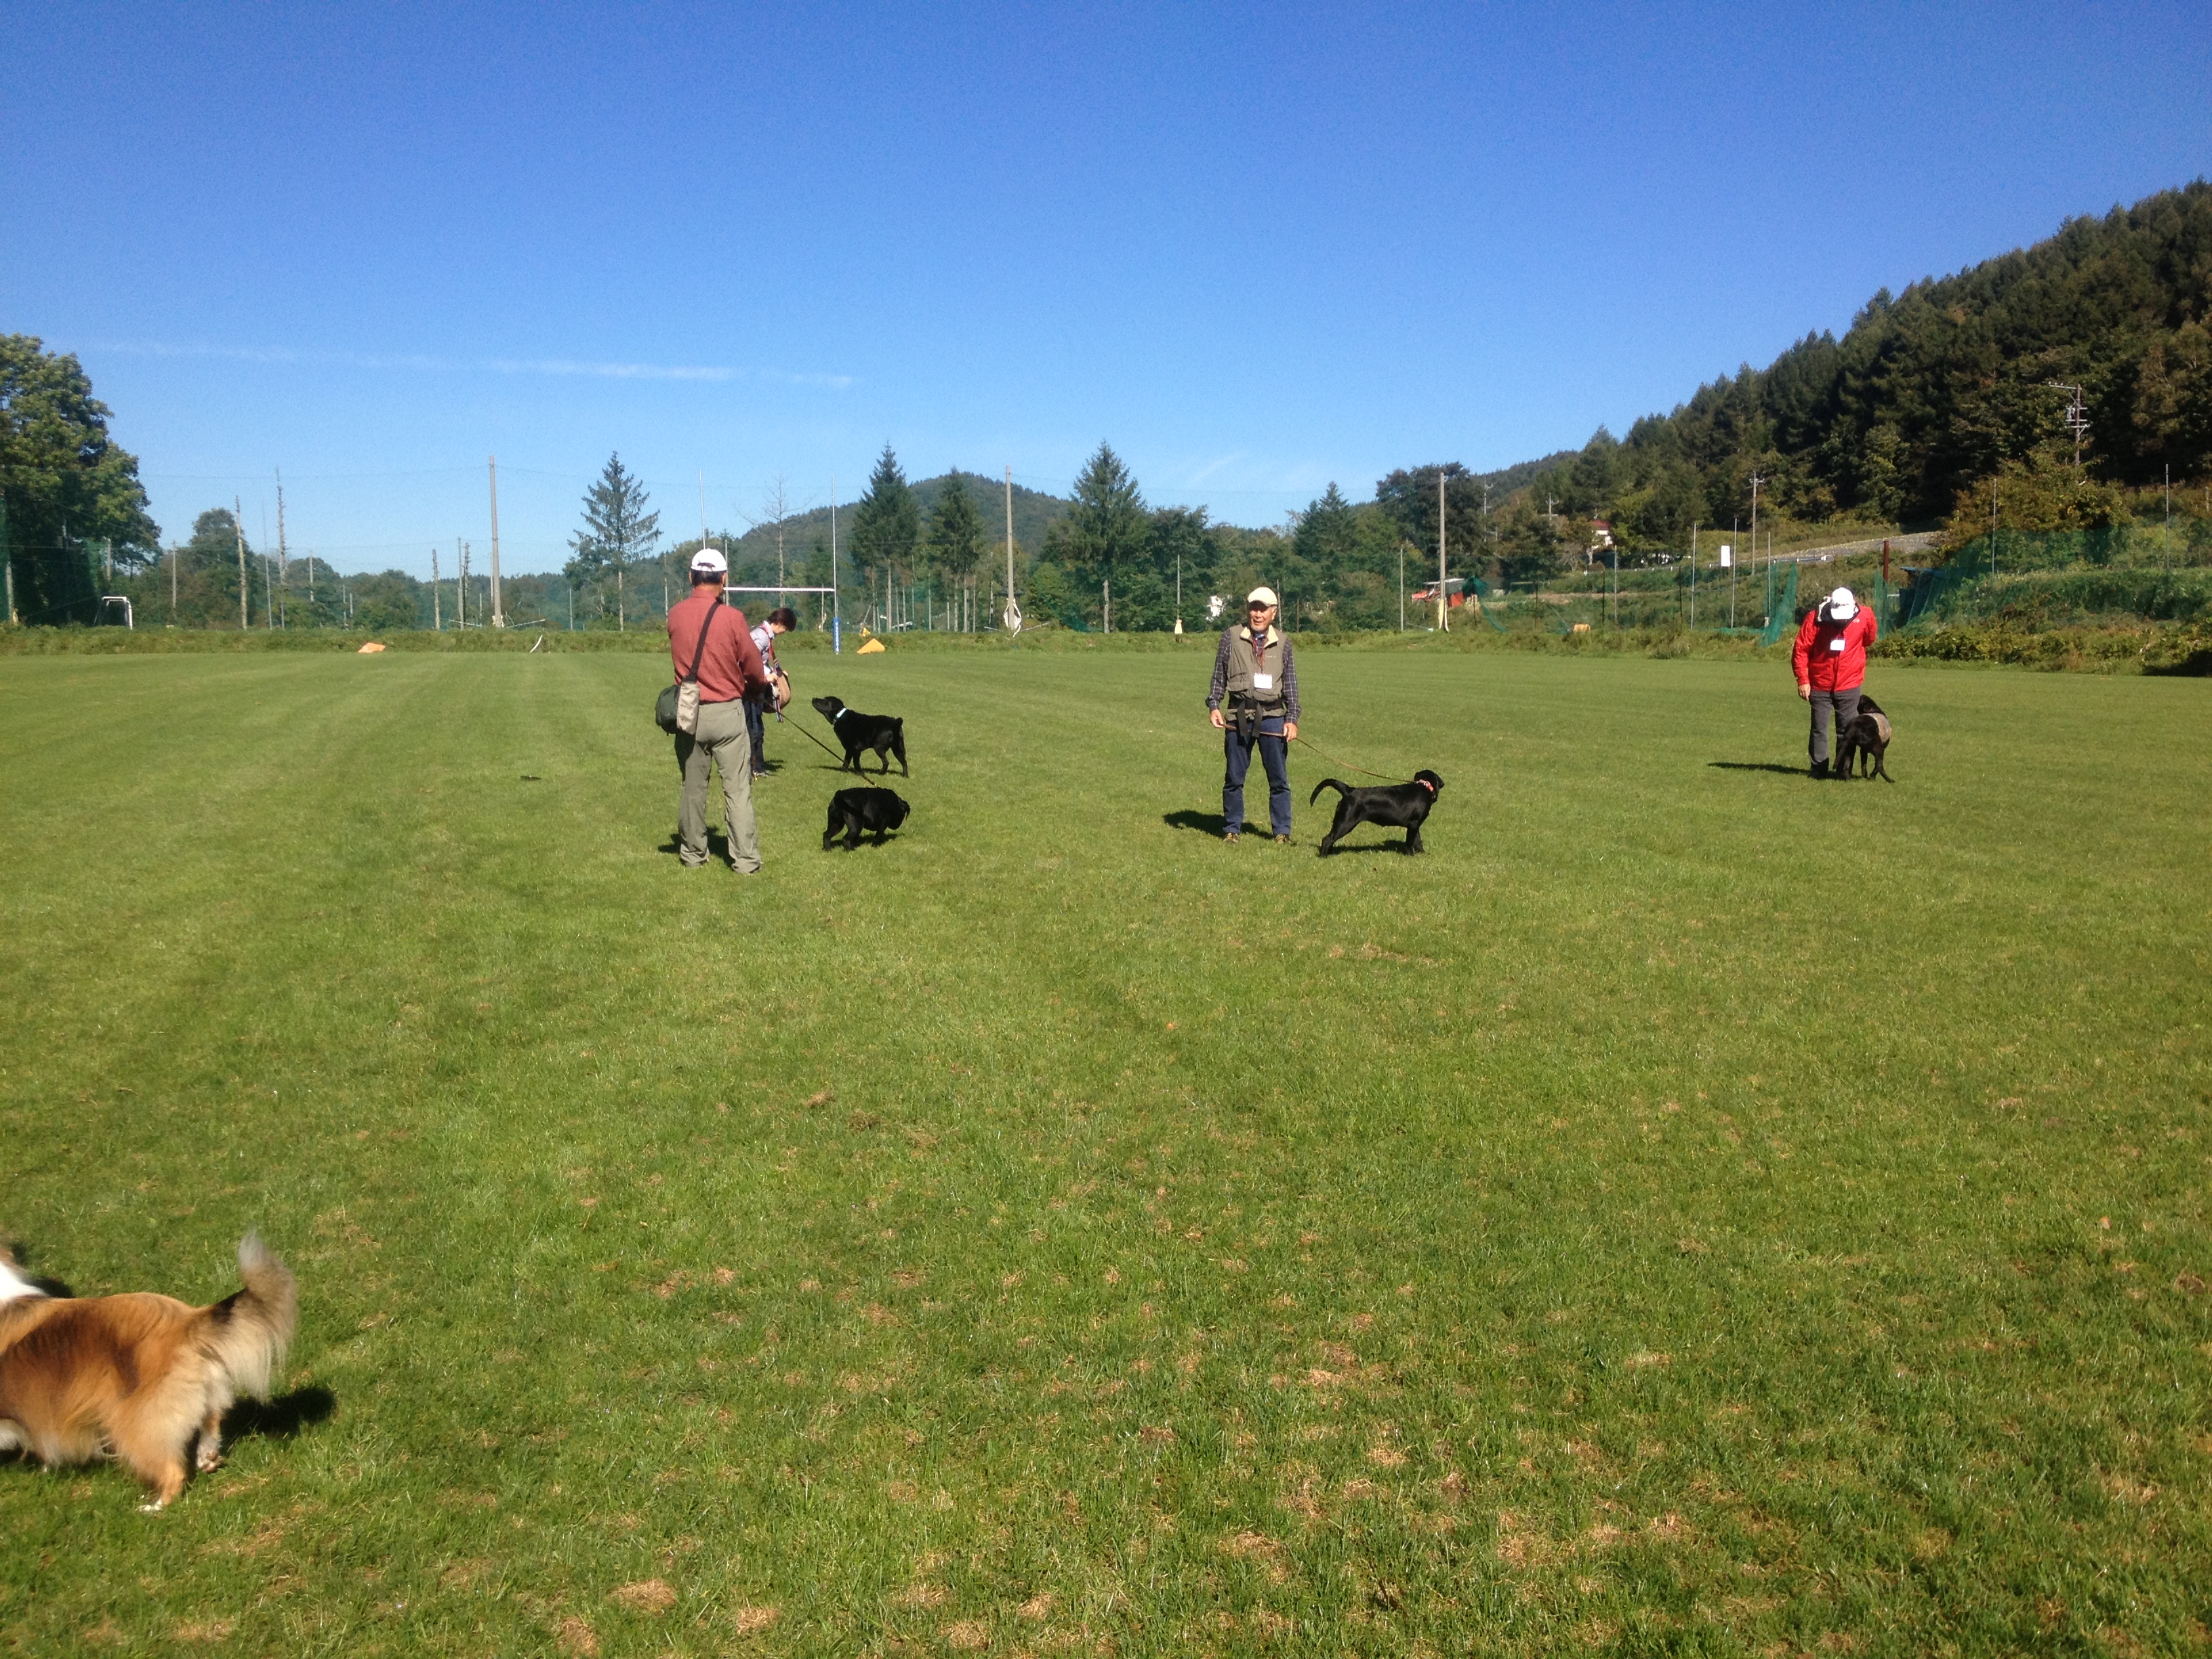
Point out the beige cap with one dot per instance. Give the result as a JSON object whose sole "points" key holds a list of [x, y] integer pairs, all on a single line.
{"points": [[1261, 596]]}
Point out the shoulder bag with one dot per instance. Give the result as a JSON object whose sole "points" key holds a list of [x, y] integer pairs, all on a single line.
{"points": [[677, 708]]}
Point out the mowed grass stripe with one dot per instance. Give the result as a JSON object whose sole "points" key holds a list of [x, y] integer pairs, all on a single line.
{"points": [[1544, 1242]]}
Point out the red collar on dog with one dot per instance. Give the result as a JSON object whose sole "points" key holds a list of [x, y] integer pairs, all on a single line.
{"points": [[1426, 785]]}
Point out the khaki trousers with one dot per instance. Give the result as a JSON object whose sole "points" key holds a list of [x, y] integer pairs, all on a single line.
{"points": [[720, 740]]}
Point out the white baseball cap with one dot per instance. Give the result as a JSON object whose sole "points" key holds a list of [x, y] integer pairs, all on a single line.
{"points": [[708, 562], [1261, 596], [1841, 605]]}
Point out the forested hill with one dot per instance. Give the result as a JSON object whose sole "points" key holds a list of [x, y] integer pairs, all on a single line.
{"points": [[1943, 385]]}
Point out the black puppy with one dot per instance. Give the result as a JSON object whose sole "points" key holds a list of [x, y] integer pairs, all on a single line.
{"points": [[860, 732], [1401, 806], [1864, 742], [854, 811]]}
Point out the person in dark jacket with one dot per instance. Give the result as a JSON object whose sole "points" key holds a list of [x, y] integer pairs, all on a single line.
{"points": [[1253, 671], [1830, 660]]}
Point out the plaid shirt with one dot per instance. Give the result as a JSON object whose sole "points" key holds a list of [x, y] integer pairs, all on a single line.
{"points": [[1220, 687]]}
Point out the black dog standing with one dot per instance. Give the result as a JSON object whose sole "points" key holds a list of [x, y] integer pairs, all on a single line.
{"points": [[859, 733], [1397, 806], [1865, 741]]}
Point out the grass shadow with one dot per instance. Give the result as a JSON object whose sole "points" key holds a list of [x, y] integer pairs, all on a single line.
{"points": [[1759, 766], [283, 1417]]}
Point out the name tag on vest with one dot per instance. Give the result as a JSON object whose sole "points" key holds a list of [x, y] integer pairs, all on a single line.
{"points": [[1263, 682], [1835, 645]]}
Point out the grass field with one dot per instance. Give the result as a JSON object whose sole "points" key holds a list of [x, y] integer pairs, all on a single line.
{"points": [[1693, 1210]]}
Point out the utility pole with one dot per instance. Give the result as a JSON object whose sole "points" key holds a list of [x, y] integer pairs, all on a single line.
{"points": [[437, 616], [1693, 578], [836, 587], [1443, 625], [1755, 482], [1735, 526], [461, 584], [8, 556], [498, 615], [268, 599], [1401, 584], [283, 551], [176, 554], [1013, 617], [238, 529], [2077, 416]]}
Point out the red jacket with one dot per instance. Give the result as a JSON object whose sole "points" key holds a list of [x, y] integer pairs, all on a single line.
{"points": [[1831, 656], [731, 666]]}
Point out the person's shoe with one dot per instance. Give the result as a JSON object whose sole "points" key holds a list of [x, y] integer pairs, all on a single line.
{"points": [[1285, 840], [1231, 835], [1820, 769]]}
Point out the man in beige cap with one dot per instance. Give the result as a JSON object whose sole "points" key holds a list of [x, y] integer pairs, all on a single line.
{"points": [[1253, 671]]}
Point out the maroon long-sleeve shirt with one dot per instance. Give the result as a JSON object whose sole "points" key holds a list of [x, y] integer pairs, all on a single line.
{"points": [[730, 664]]}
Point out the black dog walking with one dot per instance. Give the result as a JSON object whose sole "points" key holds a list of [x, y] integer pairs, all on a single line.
{"points": [[1397, 806], [855, 811], [859, 733]]}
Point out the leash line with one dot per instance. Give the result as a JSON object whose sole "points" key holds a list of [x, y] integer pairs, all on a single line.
{"points": [[1347, 765]]}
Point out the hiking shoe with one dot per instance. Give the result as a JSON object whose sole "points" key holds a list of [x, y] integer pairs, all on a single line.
{"points": [[1232, 836], [1285, 840], [1820, 769]]}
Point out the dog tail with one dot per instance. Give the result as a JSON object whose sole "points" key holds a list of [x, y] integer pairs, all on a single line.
{"points": [[1328, 783], [248, 1331]]}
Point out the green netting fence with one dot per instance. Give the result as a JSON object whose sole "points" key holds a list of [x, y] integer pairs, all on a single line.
{"points": [[2054, 577]]}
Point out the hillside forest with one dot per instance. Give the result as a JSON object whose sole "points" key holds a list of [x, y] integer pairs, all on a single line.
{"points": [[2066, 386]]}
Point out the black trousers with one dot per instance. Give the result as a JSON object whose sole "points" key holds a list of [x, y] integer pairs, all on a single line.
{"points": [[1845, 706]]}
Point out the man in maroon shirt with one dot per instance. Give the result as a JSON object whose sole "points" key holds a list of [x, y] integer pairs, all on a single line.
{"points": [[729, 668]]}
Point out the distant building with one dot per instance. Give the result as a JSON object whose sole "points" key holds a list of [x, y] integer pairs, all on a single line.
{"points": [[1601, 541]]}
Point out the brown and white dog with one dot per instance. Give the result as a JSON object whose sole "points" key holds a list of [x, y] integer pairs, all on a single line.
{"points": [[136, 1376]]}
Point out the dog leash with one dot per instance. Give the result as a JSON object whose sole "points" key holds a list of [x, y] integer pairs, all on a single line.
{"points": [[801, 729], [1347, 765]]}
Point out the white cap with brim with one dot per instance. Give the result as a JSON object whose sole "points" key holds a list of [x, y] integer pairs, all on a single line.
{"points": [[709, 562], [1841, 605], [1261, 596]]}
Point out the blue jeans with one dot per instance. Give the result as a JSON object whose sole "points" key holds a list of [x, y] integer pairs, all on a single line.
{"points": [[755, 734], [1274, 755]]}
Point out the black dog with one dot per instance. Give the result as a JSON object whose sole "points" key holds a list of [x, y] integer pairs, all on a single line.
{"points": [[856, 810], [1864, 742], [1401, 806], [860, 732]]}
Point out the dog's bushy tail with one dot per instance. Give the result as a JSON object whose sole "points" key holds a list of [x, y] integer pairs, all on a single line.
{"points": [[1328, 783], [248, 1331]]}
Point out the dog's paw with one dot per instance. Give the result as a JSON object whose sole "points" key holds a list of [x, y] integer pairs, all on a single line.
{"points": [[153, 1508], [207, 1462]]}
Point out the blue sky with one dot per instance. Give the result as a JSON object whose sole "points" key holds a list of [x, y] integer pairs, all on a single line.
{"points": [[1256, 249]]}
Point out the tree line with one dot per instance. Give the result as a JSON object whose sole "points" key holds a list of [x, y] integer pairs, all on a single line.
{"points": [[1946, 402]]}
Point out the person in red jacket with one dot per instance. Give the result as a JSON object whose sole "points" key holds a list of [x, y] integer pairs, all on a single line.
{"points": [[729, 669], [1830, 658]]}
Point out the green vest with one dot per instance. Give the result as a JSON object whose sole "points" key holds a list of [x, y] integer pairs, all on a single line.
{"points": [[1248, 657]]}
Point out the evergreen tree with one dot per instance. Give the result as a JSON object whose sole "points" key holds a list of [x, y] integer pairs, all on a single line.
{"points": [[618, 532], [886, 525], [1107, 528], [956, 531], [64, 486]]}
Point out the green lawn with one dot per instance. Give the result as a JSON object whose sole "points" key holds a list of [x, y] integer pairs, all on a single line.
{"points": [[1692, 1210]]}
